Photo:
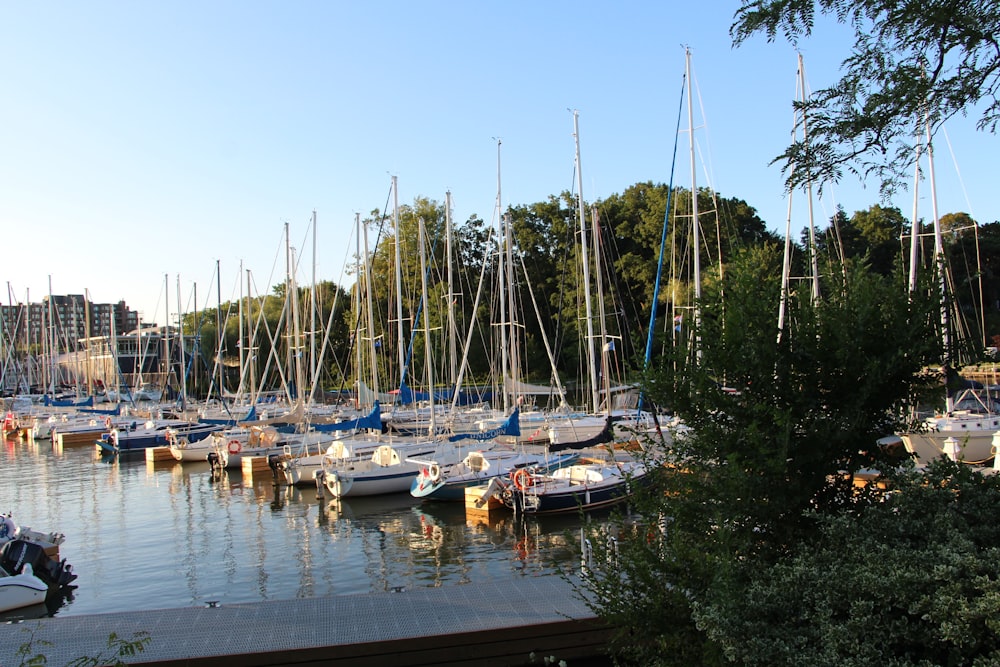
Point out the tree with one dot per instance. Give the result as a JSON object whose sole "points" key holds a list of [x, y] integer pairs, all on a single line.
{"points": [[913, 64], [766, 457]]}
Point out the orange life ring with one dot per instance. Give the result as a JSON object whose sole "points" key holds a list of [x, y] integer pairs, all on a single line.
{"points": [[522, 479], [235, 447]]}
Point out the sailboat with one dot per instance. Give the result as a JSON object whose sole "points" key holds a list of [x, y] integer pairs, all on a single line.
{"points": [[964, 431]]}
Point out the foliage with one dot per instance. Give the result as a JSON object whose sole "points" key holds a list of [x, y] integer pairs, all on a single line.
{"points": [[912, 62], [776, 428], [912, 580], [118, 648]]}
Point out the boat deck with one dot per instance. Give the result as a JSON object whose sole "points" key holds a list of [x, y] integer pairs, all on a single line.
{"points": [[515, 622]]}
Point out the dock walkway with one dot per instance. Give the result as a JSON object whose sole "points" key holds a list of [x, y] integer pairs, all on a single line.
{"points": [[514, 622]]}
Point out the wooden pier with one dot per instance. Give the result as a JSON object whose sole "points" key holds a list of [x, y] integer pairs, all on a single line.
{"points": [[519, 621]]}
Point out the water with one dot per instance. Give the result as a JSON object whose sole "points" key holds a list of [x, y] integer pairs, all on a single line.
{"points": [[162, 535]]}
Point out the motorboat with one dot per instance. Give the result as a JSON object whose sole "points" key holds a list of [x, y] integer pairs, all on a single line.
{"points": [[28, 575], [582, 486], [435, 481]]}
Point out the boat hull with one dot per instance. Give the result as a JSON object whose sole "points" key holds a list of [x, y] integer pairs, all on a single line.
{"points": [[972, 446], [21, 590]]}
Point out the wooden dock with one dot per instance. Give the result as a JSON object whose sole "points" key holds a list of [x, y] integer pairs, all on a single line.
{"points": [[520, 621]]}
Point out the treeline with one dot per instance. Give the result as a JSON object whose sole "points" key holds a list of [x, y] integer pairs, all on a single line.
{"points": [[527, 274]]}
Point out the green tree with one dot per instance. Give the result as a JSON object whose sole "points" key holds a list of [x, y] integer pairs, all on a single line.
{"points": [[767, 456], [912, 62]]}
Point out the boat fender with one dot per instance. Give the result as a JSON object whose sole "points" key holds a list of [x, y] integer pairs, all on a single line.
{"points": [[434, 472], [7, 529], [522, 479], [235, 447]]}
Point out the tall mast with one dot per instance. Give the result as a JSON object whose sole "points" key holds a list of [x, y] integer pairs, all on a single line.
{"points": [[218, 327], [428, 357], [506, 365], [241, 346], [915, 225], [695, 223], [358, 356], [294, 345], [813, 251], [939, 262], [401, 342], [53, 348], [452, 296], [165, 362], [312, 310], [591, 366], [607, 344], [182, 368], [251, 350], [373, 350]]}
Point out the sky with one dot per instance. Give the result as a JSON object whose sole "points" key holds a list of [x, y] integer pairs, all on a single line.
{"points": [[144, 144]]}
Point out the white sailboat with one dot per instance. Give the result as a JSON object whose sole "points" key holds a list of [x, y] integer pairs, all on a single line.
{"points": [[964, 430]]}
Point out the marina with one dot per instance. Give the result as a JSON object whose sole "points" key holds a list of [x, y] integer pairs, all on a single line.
{"points": [[165, 535]]}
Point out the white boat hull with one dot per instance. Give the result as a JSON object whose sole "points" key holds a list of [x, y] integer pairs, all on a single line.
{"points": [[21, 590], [973, 446]]}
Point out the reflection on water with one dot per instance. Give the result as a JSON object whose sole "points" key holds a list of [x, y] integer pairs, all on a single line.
{"points": [[143, 535]]}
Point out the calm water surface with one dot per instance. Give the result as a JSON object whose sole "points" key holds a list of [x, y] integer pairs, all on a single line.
{"points": [[159, 535]]}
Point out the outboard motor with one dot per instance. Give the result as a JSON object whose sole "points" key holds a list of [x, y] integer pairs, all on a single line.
{"points": [[14, 554], [274, 463], [214, 461]]}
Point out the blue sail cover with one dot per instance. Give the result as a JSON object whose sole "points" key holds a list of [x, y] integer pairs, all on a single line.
{"points": [[117, 410], [251, 416], [87, 402], [406, 396], [373, 421], [511, 426], [470, 396]]}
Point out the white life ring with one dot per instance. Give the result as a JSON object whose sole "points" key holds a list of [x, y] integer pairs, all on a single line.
{"points": [[235, 447], [434, 472], [107, 422]]}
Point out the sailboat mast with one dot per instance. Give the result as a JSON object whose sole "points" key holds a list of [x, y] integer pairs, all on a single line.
{"points": [[607, 345], [915, 224], [813, 252], [940, 263], [428, 357], [294, 344], [165, 362], [585, 260], [312, 311], [452, 297], [401, 340], [218, 327], [182, 368], [371, 318], [241, 346], [507, 371], [695, 223], [52, 344]]}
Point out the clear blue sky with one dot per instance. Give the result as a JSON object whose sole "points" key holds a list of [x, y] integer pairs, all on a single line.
{"points": [[142, 141]]}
